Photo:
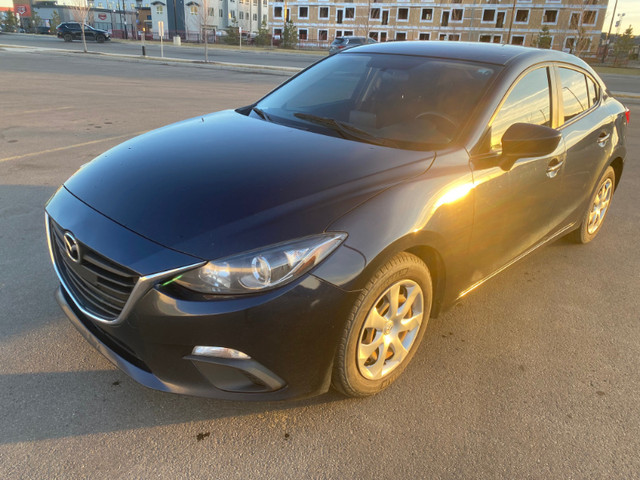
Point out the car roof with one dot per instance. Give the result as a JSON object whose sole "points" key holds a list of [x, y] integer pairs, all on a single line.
{"points": [[480, 52]]}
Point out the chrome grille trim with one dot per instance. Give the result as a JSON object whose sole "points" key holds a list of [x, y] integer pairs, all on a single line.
{"points": [[116, 290]]}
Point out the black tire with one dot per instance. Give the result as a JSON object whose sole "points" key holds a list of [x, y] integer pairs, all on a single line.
{"points": [[588, 229], [353, 375], [67, 37], [100, 38]]}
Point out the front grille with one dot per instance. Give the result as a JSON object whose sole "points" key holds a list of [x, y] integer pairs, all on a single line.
{"points": [[99, 285]]}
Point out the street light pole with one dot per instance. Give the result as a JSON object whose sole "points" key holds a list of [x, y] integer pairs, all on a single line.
{"points": [[606, 42]]}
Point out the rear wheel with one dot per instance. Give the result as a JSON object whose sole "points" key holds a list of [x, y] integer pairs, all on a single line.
{"points": [[67, 37], [597, 209], [384, 328]]}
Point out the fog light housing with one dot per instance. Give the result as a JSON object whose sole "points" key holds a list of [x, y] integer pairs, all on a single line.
{"points": [[219, 352]]}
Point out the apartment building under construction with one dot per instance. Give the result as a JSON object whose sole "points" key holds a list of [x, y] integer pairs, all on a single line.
{"points": [[573, 25]]}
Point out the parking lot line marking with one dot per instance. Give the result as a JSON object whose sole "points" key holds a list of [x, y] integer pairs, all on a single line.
{"points": [[58, 149], [52, 109]]}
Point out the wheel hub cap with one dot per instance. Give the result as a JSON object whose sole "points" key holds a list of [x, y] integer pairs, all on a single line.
{"points": [[390, 329], [600, 206]]}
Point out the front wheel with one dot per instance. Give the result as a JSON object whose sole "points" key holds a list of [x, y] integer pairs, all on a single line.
{"points": [[384, 328], [100, 38], [597, 209]]}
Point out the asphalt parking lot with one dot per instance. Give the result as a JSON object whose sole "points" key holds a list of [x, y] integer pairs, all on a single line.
{"points": [[534, 375]]}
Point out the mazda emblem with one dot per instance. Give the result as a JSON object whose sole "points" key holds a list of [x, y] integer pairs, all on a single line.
{"points": [[72, 247]]}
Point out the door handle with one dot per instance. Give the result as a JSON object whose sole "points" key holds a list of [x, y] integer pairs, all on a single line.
{"points": [[603, 138], [554, 167]]}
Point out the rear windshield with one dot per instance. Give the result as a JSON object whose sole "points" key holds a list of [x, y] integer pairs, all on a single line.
{"points": [[397, 100]]}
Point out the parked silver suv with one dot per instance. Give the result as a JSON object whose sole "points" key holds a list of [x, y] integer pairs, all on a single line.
{"points": [[344, 43]]}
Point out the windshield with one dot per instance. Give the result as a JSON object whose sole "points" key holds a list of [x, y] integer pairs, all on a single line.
{"points": [[403, 101]]}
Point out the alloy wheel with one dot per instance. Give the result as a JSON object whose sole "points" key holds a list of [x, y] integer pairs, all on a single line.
{"points": [[600, 206], [390, 329]]}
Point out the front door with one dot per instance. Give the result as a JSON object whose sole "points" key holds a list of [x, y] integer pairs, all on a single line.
{"points": [[515, 205]]}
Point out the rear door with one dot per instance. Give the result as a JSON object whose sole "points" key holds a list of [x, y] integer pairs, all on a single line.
{"points": [[587, 129]]}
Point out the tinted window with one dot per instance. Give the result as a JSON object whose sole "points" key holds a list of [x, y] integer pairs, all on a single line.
{"points": [[594, 92], [528, 102], [413, 102], [575, 98]]}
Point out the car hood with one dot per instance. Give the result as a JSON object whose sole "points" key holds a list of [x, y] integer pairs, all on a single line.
{"points": [[226, 183]]}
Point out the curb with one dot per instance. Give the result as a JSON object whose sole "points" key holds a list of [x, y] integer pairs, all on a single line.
{"points": [[635, 96]]}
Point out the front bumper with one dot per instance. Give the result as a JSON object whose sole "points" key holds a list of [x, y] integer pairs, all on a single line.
{"points": [[291, 333]]}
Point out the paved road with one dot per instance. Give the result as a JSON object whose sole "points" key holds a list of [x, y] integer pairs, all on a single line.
{"points": [[535, 375], [185, 52]]}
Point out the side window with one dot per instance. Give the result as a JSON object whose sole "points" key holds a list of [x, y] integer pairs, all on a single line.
{"points": [[528, 102], [594, 92], [575, 98]]}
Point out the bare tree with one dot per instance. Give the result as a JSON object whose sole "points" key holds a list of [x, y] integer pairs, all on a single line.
{"points": [[80, 12], [203, 22], [365, 25]]}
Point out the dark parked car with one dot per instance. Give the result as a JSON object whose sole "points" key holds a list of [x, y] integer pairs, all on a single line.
{"points": [[73, 31], [305, 240], [344, 43], [43, 30]]}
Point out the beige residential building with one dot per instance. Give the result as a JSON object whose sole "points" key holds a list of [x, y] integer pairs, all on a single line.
{"points": [[574, 25]]}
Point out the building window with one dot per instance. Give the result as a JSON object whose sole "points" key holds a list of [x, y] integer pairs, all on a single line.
{"points": [[255, 17], [159, 9], [517, 40], [302, 34], [373, 35], [323, 35], [550, 16], [338, 33], [424, 36], [403, 14], [442, 36], [426, 14], [374, 14], [221, 12], [384, 21], [212, 12], [574, 22], [457, 14], [303, 12], [401, 36], [241, 15], [277, 32], [348, 33], [489, 15], [522, 16], [350, 13], [193, 9], [277, 12], [485, 38], [589, 17], [454, 37], [339, 15], [323, 12]]}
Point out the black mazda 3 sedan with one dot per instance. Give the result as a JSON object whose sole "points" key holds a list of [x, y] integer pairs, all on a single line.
{"points": [[305, 240]]}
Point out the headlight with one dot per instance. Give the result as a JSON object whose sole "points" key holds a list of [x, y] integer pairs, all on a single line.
{"points": [[262, 269]]}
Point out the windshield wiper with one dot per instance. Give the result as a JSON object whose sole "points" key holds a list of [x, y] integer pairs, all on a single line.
{"points": [[262, 114], [345, 130]]}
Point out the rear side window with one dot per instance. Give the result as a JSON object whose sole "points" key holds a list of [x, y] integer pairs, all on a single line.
{"points": [[528, 102], [575, 95], [594, 92]]}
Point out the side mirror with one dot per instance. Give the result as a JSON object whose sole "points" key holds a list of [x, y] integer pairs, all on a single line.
{"points": [[528, 140]]}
